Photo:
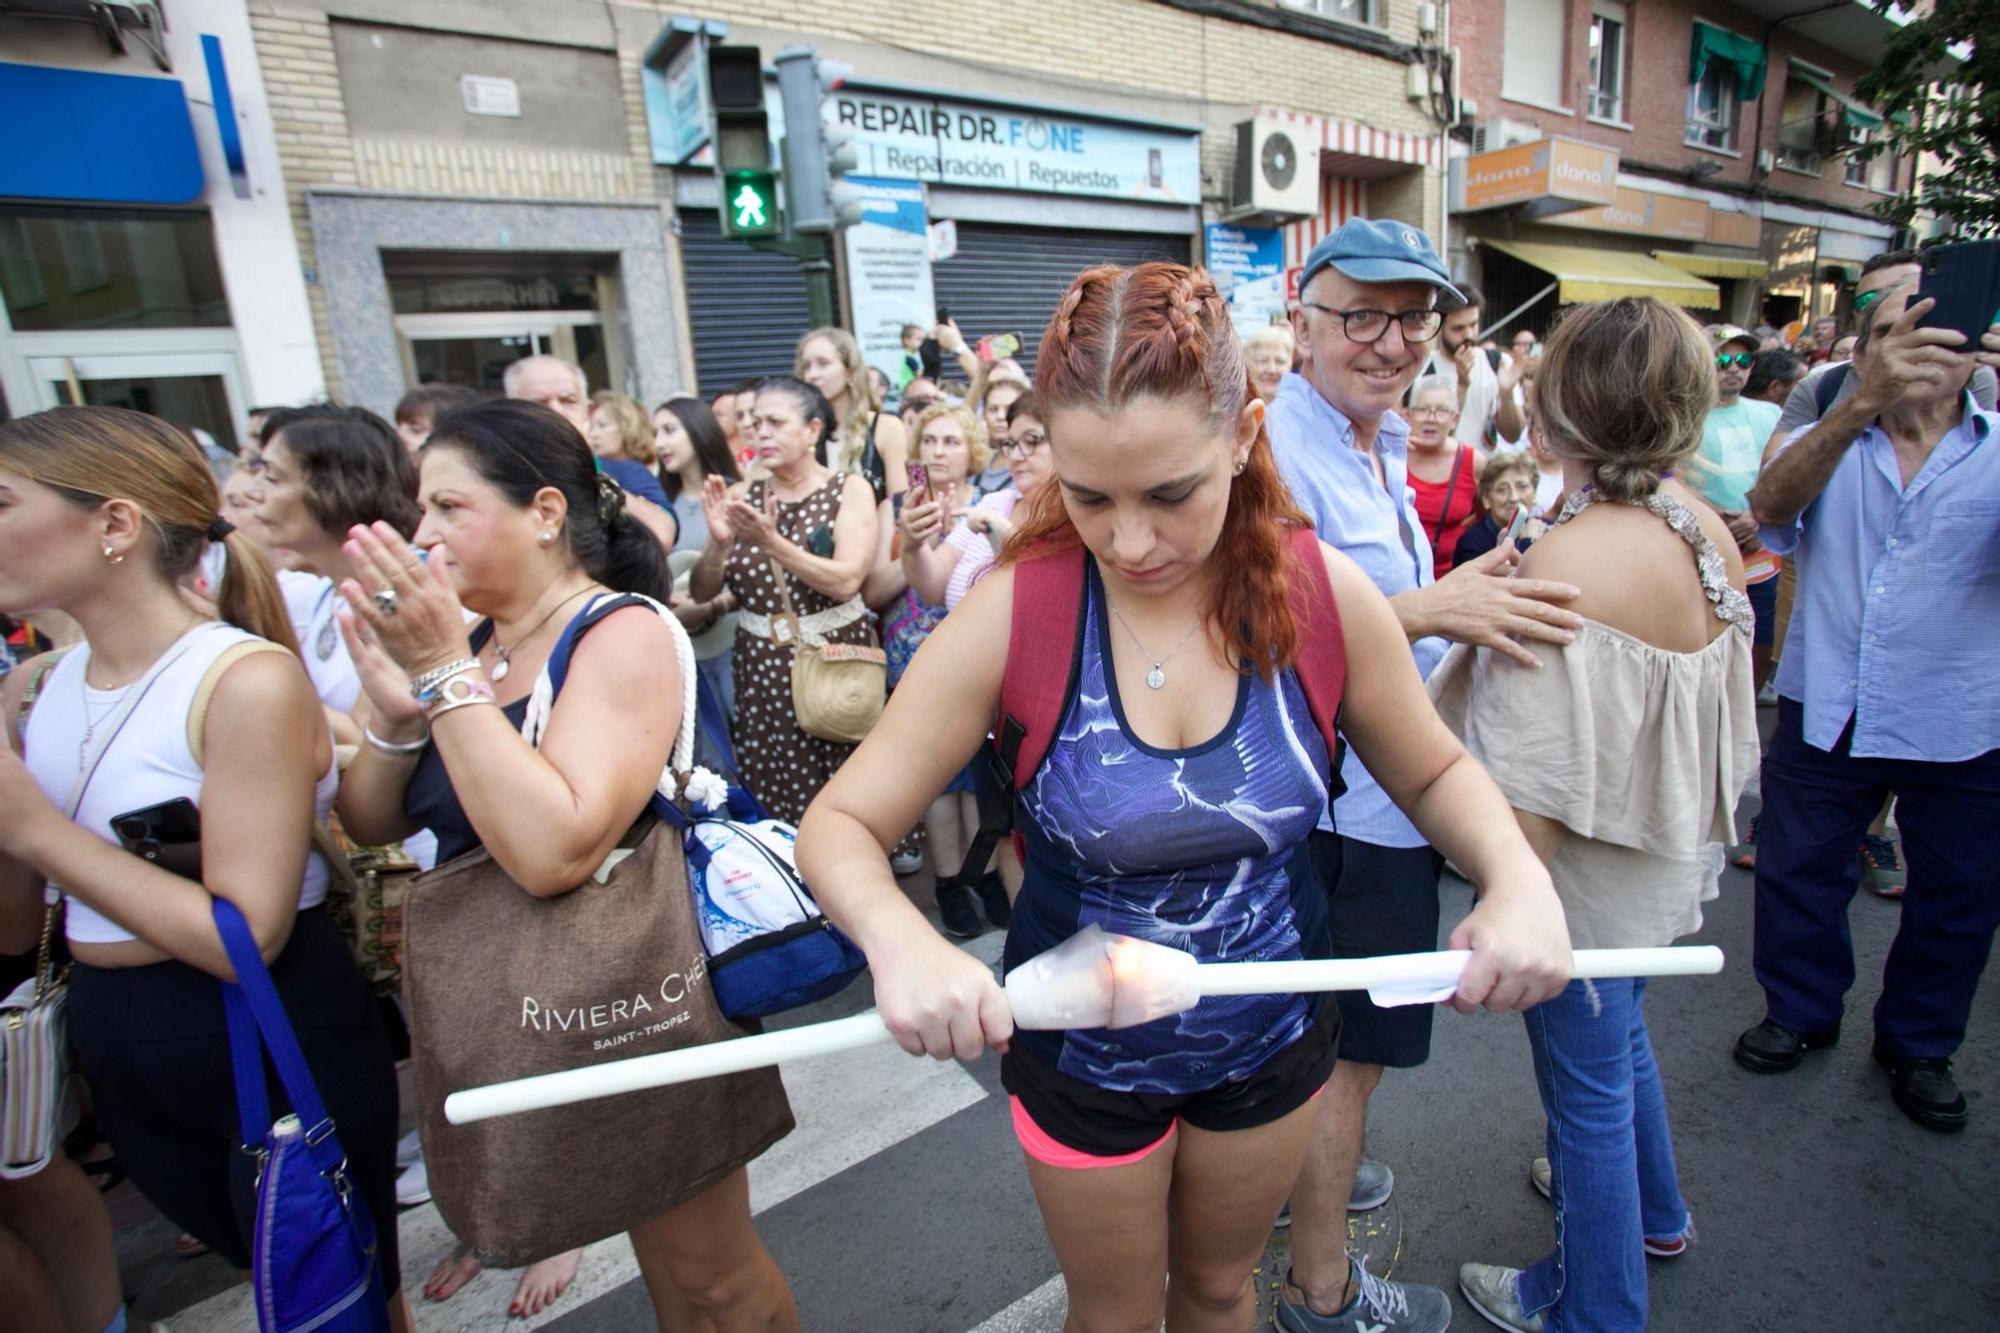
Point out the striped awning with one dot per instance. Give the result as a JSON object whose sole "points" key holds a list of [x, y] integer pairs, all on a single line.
{"points": [[1606, 275], [1713, 266], [1348, 139]]}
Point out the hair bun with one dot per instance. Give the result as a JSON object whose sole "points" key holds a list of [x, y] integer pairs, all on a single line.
{"points": [[1625, 481]]}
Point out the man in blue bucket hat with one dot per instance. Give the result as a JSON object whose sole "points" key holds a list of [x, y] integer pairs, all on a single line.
{"points": [[1365, 323]]}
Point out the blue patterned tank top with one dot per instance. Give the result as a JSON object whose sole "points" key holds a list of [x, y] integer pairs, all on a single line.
{"points": [[1186, 848]]}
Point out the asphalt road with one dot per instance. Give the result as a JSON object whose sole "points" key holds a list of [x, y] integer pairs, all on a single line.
{"points": [[900, 1205]]}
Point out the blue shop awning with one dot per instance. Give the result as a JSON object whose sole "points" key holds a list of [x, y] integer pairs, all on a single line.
{"points": [[95, 138]]}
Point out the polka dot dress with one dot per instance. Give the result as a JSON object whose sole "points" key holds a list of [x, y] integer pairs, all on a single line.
{"points": [[781, 765]]}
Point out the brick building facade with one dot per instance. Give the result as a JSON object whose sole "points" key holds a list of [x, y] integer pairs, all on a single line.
{"points": [[424, 229], [1797, 208]]}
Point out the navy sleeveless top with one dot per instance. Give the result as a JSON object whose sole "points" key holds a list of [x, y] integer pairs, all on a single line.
{"points": [[1187, 848]]}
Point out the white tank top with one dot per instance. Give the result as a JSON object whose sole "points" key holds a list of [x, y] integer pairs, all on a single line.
{"points": [[312, 602], [149, 762]]}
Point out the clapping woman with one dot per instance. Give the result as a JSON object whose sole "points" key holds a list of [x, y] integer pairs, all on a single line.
{"points": [[523, 531], [801, 536]]}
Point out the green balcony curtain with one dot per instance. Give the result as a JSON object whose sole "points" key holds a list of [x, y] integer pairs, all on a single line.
{"points": [[1739, 53], [1853, 112]]}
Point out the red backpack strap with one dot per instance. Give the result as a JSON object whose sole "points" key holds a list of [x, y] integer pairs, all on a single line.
{"points": [[1322, 656], [1043, 650], [1042, 658]]}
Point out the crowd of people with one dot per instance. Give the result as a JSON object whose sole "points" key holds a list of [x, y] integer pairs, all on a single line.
{"points": [[1559, 575]]}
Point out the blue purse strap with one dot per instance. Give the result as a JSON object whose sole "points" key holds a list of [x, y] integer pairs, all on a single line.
{"points": [[254, 1009]]}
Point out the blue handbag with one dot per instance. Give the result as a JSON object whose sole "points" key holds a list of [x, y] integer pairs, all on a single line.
{"points": [[769, 946], [313, 1258]]}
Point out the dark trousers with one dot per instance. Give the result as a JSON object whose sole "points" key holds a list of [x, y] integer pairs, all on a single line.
{"points": [[1816, 807]]}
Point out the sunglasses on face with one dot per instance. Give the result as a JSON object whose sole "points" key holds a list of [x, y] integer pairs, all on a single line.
{"points": [[918, 404], [1724, 360]]}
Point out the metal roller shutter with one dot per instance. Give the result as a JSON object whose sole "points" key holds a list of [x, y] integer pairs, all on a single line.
{"points": [[1007, 279], [747, 307]]}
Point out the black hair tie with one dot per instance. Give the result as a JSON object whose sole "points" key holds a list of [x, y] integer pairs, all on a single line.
{"points": [[219, 528]]}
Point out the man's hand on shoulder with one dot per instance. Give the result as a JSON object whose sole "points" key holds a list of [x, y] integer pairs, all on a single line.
{"points": [[1479, 603]]}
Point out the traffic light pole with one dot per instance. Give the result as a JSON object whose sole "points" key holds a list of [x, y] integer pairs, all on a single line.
{"points": [[815, 258]]}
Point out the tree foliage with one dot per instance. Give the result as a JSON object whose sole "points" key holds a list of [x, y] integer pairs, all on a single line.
{"points": [[1949, 109]]}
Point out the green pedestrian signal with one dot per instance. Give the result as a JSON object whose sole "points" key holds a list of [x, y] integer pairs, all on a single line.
{"points": [[750, 203]]}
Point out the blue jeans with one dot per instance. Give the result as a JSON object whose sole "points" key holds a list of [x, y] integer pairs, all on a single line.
{"points": [[1615, 1183]]}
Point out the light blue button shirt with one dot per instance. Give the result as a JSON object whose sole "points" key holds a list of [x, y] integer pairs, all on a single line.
{"points": [[1897, 618], [1375, 524]]}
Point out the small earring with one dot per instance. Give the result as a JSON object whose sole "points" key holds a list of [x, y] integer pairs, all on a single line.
{"points": [[548, 537], [1239, 468], [113, 556]]}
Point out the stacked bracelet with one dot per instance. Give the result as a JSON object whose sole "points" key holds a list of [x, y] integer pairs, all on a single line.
{"points": [[463, 690], [403, 748], [424, 689]]}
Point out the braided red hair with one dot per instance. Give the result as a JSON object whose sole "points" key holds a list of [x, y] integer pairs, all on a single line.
{"points": [[1162, 331]]}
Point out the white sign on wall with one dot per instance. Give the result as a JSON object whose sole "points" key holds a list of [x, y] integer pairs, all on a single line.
{"points": [[889, 270], [489, 96], [1018, 148]]}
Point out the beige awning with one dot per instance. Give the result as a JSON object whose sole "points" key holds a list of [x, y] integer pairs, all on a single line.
{"points": [[1713, 266], [1605, 275]]}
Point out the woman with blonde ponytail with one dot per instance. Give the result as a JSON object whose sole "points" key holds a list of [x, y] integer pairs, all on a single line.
{"points": [[865, 440], [103, 514]]}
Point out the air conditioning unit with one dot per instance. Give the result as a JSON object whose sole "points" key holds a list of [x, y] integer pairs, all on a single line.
{"points": [[1277, 171], [1489, 135]]}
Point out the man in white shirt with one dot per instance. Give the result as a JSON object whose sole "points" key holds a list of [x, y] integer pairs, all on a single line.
{"points": [[1487, 410]]}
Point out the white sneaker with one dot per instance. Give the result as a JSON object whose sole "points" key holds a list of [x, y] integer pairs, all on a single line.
{"points": [[409, 1151], [906, 863], [413, 1186]]}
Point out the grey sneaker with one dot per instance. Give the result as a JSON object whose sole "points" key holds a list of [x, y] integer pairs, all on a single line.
{"points": [[1381, 1306], [1373, 1183], [1543, 1177], [1490, 1289]]}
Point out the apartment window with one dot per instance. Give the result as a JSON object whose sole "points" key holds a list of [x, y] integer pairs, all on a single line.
{"points": [[1531, 57], [1607, 62], [1711, 114], [1877, 173], [1801, 124], [1347, 11]]}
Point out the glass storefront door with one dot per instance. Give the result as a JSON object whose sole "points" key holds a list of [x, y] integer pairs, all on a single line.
{"points": [[475, 349], [196, 390]]}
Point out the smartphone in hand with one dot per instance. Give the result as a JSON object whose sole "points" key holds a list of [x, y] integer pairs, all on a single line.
{"points": [[1964, 279], [917, 491]]}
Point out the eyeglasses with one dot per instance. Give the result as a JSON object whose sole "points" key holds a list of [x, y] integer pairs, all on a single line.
{"points": [[1439, 412], [1020, 446], [919, 404], [1367, 326], [1724, 360], [1866, 299]]}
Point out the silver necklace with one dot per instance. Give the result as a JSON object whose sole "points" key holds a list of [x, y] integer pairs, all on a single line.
{"points": [[1157, 677], [501, 653], [92, 721]]}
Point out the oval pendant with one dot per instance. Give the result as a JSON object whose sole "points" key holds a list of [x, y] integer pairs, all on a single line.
{"points": [[324, 645], [1156, 678], [499, 671]]}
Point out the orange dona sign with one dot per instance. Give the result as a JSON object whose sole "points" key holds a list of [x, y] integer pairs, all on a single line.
{"points": [[1643, 213], [1566, 169], [1735, 229]]}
